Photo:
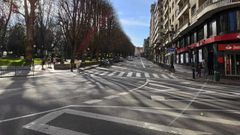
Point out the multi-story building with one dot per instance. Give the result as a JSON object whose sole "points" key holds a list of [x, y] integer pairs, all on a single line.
{"points": [[155, 30], [203, 32]]}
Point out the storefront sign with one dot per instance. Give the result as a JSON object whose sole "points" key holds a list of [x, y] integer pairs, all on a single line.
{"points": [[229, 47]]}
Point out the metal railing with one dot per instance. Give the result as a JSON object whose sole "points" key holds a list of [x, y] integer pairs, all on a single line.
{"points": [[211, 3], [16, 71]]}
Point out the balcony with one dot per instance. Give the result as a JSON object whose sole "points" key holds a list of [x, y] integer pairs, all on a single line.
{"points": [[182, 9], [183, 25], [209, 5]]}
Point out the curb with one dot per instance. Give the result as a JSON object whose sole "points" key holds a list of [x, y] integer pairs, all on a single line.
{"points": [[210, 81]]}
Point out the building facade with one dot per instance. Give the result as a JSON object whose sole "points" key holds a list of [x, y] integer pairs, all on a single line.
{"points": [[155, 30], [203, 32]]}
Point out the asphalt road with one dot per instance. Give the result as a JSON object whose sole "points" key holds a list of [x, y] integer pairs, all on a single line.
{"points": [[130, 98]]}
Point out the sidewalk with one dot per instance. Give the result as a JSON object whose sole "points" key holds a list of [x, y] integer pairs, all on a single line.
{"points": [[185, 72]]}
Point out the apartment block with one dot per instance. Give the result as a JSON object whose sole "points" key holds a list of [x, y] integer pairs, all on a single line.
{"points": [[197, 32]]}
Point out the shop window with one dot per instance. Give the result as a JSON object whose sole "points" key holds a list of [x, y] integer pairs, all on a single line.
{"points": [[232, 20]]}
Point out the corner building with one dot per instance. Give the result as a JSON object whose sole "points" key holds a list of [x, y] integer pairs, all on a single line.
{"points": [[205, 31]]}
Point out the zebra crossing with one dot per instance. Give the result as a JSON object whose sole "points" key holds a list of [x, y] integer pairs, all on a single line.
{"points": [[130, 74]]}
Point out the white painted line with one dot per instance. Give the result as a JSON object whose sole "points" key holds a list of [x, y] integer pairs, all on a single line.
{"points": [[123, 107], [156, 76], [158, 98], [147, 75], [160, 90], [130, 74], [164, 76], [92, 101], [171, 75], [142, 63], [121, 74], [111, 97], [100, 85], [40, 125], [135, 123], [162, 86], [196, 117], [138, 75], [123, 93], [112, 74], [104, 73]]}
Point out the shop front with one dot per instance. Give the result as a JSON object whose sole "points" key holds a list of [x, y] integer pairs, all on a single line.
{"points": [[230, 59]]}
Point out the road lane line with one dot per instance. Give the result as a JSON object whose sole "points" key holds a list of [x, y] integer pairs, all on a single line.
{"points": [[93, 101], [158, 98], [121, 74], [196, 117], [130, 74], [156, 76], [112, 74], [138, 75], [104, 73], [189, 104], [164, 76], [147, 75], [111, 97], [142, 63]]}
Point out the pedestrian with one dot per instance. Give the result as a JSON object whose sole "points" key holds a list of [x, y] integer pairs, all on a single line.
{"points": [[193, 71], [199, 69], [204, 69]]}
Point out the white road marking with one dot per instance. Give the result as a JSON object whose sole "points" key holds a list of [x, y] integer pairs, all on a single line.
{"points": [[128, 122], [130, 74], [121, 107], [158, 98], [119, 67], [156, 76], [111, 97], [123, 93], [147, 75], [142, 63], [100, 85], [138, 75], [171, 75], [92, 101], [196, 117], [121, 74], [104, 73], [112, 74], [40, 125], [164, 76]]}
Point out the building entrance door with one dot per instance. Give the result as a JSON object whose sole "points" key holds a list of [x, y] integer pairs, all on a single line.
{"points": [[232, 65]]}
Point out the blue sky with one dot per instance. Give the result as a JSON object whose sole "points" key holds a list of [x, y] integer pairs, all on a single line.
{"points": [[134, 16]]}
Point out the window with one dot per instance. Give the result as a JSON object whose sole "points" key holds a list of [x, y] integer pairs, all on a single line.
{"points": [[222, 24], [193, 9], [192, 38], [232, 20], [200, 34], [238, 20]]}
